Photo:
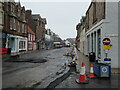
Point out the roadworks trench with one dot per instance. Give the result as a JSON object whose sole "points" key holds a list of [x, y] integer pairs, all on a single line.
{"points": [[30, 60], [55, 82]]}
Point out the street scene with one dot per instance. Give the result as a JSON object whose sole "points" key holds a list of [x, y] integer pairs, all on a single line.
{"points": [[59, 45]]}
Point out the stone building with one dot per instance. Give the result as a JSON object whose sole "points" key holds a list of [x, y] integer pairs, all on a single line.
{"points": [[31, 40], [82, 36], [40, 30], [102, 23], [15, 27], [31, 30], [1, 15], [1, 22]]}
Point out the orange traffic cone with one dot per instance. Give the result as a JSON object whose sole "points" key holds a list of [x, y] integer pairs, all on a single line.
{"points": [[82, 77], [91, 71]]}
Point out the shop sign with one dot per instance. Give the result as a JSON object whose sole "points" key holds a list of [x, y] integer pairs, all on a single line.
{"points": [[8, 36]]}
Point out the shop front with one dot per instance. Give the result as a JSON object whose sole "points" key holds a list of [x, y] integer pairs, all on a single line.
{"points": [[16, 43]]}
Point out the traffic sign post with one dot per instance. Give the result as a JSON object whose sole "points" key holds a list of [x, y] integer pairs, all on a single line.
{"points": [[106, 46], [106, 41]]}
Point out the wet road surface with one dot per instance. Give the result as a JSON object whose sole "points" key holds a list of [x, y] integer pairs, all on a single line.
{"points": [[45, 69], [32, 68]]}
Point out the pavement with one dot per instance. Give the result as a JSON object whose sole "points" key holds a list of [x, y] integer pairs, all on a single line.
{"points": [[82, 57], [96, 83], [85, 59]]}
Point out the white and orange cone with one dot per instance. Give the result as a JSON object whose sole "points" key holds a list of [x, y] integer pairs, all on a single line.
{"points": [[91, 71], [82, 77]]}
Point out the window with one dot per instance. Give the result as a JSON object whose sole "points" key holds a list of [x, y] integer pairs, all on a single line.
{"points": [[94, 12], [22, 45], [18, 26], [23, 28], [30, 45], [14, 23], [1, 14], [29, 37], [33, 37], [11, 23]]}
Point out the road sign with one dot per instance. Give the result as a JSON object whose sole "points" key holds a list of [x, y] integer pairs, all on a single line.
{"points": [[104, 69], [106, 41], [106, 47]]}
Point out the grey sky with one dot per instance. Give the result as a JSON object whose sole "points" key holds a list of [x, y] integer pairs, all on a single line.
{"points": [[62, 17]]}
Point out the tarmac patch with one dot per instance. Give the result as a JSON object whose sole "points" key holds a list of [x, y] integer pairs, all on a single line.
{"points": [[31, 60]]}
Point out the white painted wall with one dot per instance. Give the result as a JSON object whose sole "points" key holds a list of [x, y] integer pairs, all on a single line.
{"points": [[109, 29], [82, 41]]}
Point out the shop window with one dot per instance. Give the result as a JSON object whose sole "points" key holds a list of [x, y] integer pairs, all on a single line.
{"points": [[22, 45], [30, 45]]}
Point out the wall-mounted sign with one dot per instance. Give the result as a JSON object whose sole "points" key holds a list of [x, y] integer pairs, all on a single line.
{"points": [[8, 36], [106, 47], [106, 41]]}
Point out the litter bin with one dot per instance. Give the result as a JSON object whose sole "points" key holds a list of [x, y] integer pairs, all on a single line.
{"points": [[102, 69], [92, 57]]}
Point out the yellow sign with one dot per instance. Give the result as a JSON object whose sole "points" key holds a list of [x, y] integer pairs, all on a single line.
{"points": [[106, 47]]}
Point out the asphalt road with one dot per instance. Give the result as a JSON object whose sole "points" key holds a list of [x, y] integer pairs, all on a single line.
{"points": [[33, 68], [45, 69]]}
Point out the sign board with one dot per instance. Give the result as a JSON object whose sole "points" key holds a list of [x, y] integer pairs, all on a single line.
{"points": [[8, 36], [107, 59], [106, 51], [106, 41], [104, 69], [106, 47]]}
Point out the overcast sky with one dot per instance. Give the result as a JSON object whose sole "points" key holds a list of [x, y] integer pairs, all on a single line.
{"points": [[62, 17]]}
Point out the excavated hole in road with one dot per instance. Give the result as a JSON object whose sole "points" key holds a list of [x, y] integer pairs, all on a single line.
{"points": [[30, 60]]}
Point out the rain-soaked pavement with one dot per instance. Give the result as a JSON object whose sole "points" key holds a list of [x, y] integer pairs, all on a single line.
{"points": [[32, 69], [111, 83]]}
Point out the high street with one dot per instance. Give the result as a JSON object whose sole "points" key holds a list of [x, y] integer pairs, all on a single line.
{"points": [[22, 72], [46, 69]]}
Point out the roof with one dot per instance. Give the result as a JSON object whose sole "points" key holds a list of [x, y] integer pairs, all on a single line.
{"points": [[36, 16], [30, 30]]}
